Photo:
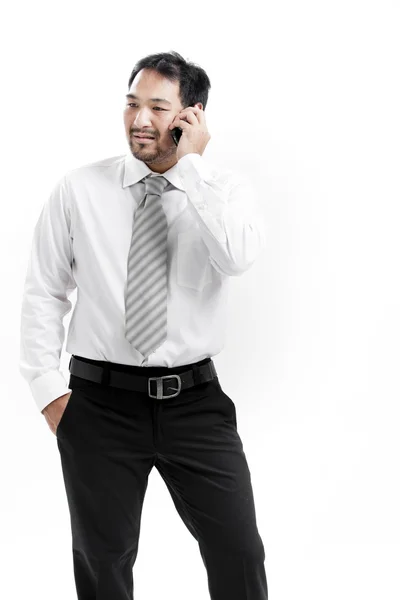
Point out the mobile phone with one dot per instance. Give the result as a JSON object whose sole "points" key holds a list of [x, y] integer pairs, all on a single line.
{"points": [[177, 132]]}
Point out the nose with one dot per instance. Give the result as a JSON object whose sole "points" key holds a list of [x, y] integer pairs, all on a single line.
{"points": [[142, 119]]}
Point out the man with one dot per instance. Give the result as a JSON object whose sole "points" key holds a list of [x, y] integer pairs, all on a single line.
{"points": [[150, 240]]}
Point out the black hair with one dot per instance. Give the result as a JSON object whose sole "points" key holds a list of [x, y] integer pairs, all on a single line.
{"points": [[194, 82]]}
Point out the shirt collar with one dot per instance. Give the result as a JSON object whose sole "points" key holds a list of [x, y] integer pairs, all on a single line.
{"points": [[135, 170]]}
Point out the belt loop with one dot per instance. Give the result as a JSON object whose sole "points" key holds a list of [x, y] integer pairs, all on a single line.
{"points": [[196, 376], [105, 377]]}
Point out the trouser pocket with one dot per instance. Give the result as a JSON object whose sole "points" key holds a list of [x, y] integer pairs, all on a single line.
{"points": [[66, 412]]}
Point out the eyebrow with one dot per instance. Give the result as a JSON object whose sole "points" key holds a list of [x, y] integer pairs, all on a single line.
{"points": [[152, 99]]}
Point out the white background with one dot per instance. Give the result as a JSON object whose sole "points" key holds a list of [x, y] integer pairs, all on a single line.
{"points": [[305, 100]]}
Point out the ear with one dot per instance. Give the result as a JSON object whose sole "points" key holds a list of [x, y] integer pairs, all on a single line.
{"points": [[199, 104]]}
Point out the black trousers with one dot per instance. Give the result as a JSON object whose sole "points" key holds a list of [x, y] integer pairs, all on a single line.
{"points": [[109, 440]]}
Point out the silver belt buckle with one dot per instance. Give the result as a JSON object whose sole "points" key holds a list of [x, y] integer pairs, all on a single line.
{"points": [[160, 387]]}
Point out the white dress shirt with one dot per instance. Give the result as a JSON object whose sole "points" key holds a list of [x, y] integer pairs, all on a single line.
{"points": [[82, 239]]}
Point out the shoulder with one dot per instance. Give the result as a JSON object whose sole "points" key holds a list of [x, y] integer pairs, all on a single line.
{"points": [[95, 169]]}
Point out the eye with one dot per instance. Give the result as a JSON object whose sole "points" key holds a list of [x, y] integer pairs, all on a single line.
{"points": [[159, 108]]}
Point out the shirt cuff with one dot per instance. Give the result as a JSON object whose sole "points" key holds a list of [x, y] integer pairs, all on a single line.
{"points": [[194, 168], [48, 387]]}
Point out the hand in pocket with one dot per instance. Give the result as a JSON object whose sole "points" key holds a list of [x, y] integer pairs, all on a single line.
{"points": [[54, 411]]}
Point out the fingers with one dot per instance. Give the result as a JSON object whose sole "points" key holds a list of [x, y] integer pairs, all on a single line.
{"points": [[191, 113]]}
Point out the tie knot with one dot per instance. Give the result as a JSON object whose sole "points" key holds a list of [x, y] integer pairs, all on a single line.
{"points": [[155, 185]]}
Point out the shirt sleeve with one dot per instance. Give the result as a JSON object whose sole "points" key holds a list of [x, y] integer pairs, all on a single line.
{"points": [[48, 283], [227, 212]]}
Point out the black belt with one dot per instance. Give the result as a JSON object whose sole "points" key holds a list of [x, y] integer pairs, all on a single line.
{"points": [[121, 379]]}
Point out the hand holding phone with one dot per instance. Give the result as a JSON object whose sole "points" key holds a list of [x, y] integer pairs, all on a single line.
{"points": [[177, 132], [194, 127]]}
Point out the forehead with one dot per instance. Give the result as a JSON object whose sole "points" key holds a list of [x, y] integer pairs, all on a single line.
{"points": [[151, 86]]}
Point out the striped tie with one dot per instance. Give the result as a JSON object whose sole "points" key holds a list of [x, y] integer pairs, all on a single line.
{"points": [[146, 290]]}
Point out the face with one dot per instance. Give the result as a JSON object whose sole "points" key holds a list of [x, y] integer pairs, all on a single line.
{"points": [[145, 115]]}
